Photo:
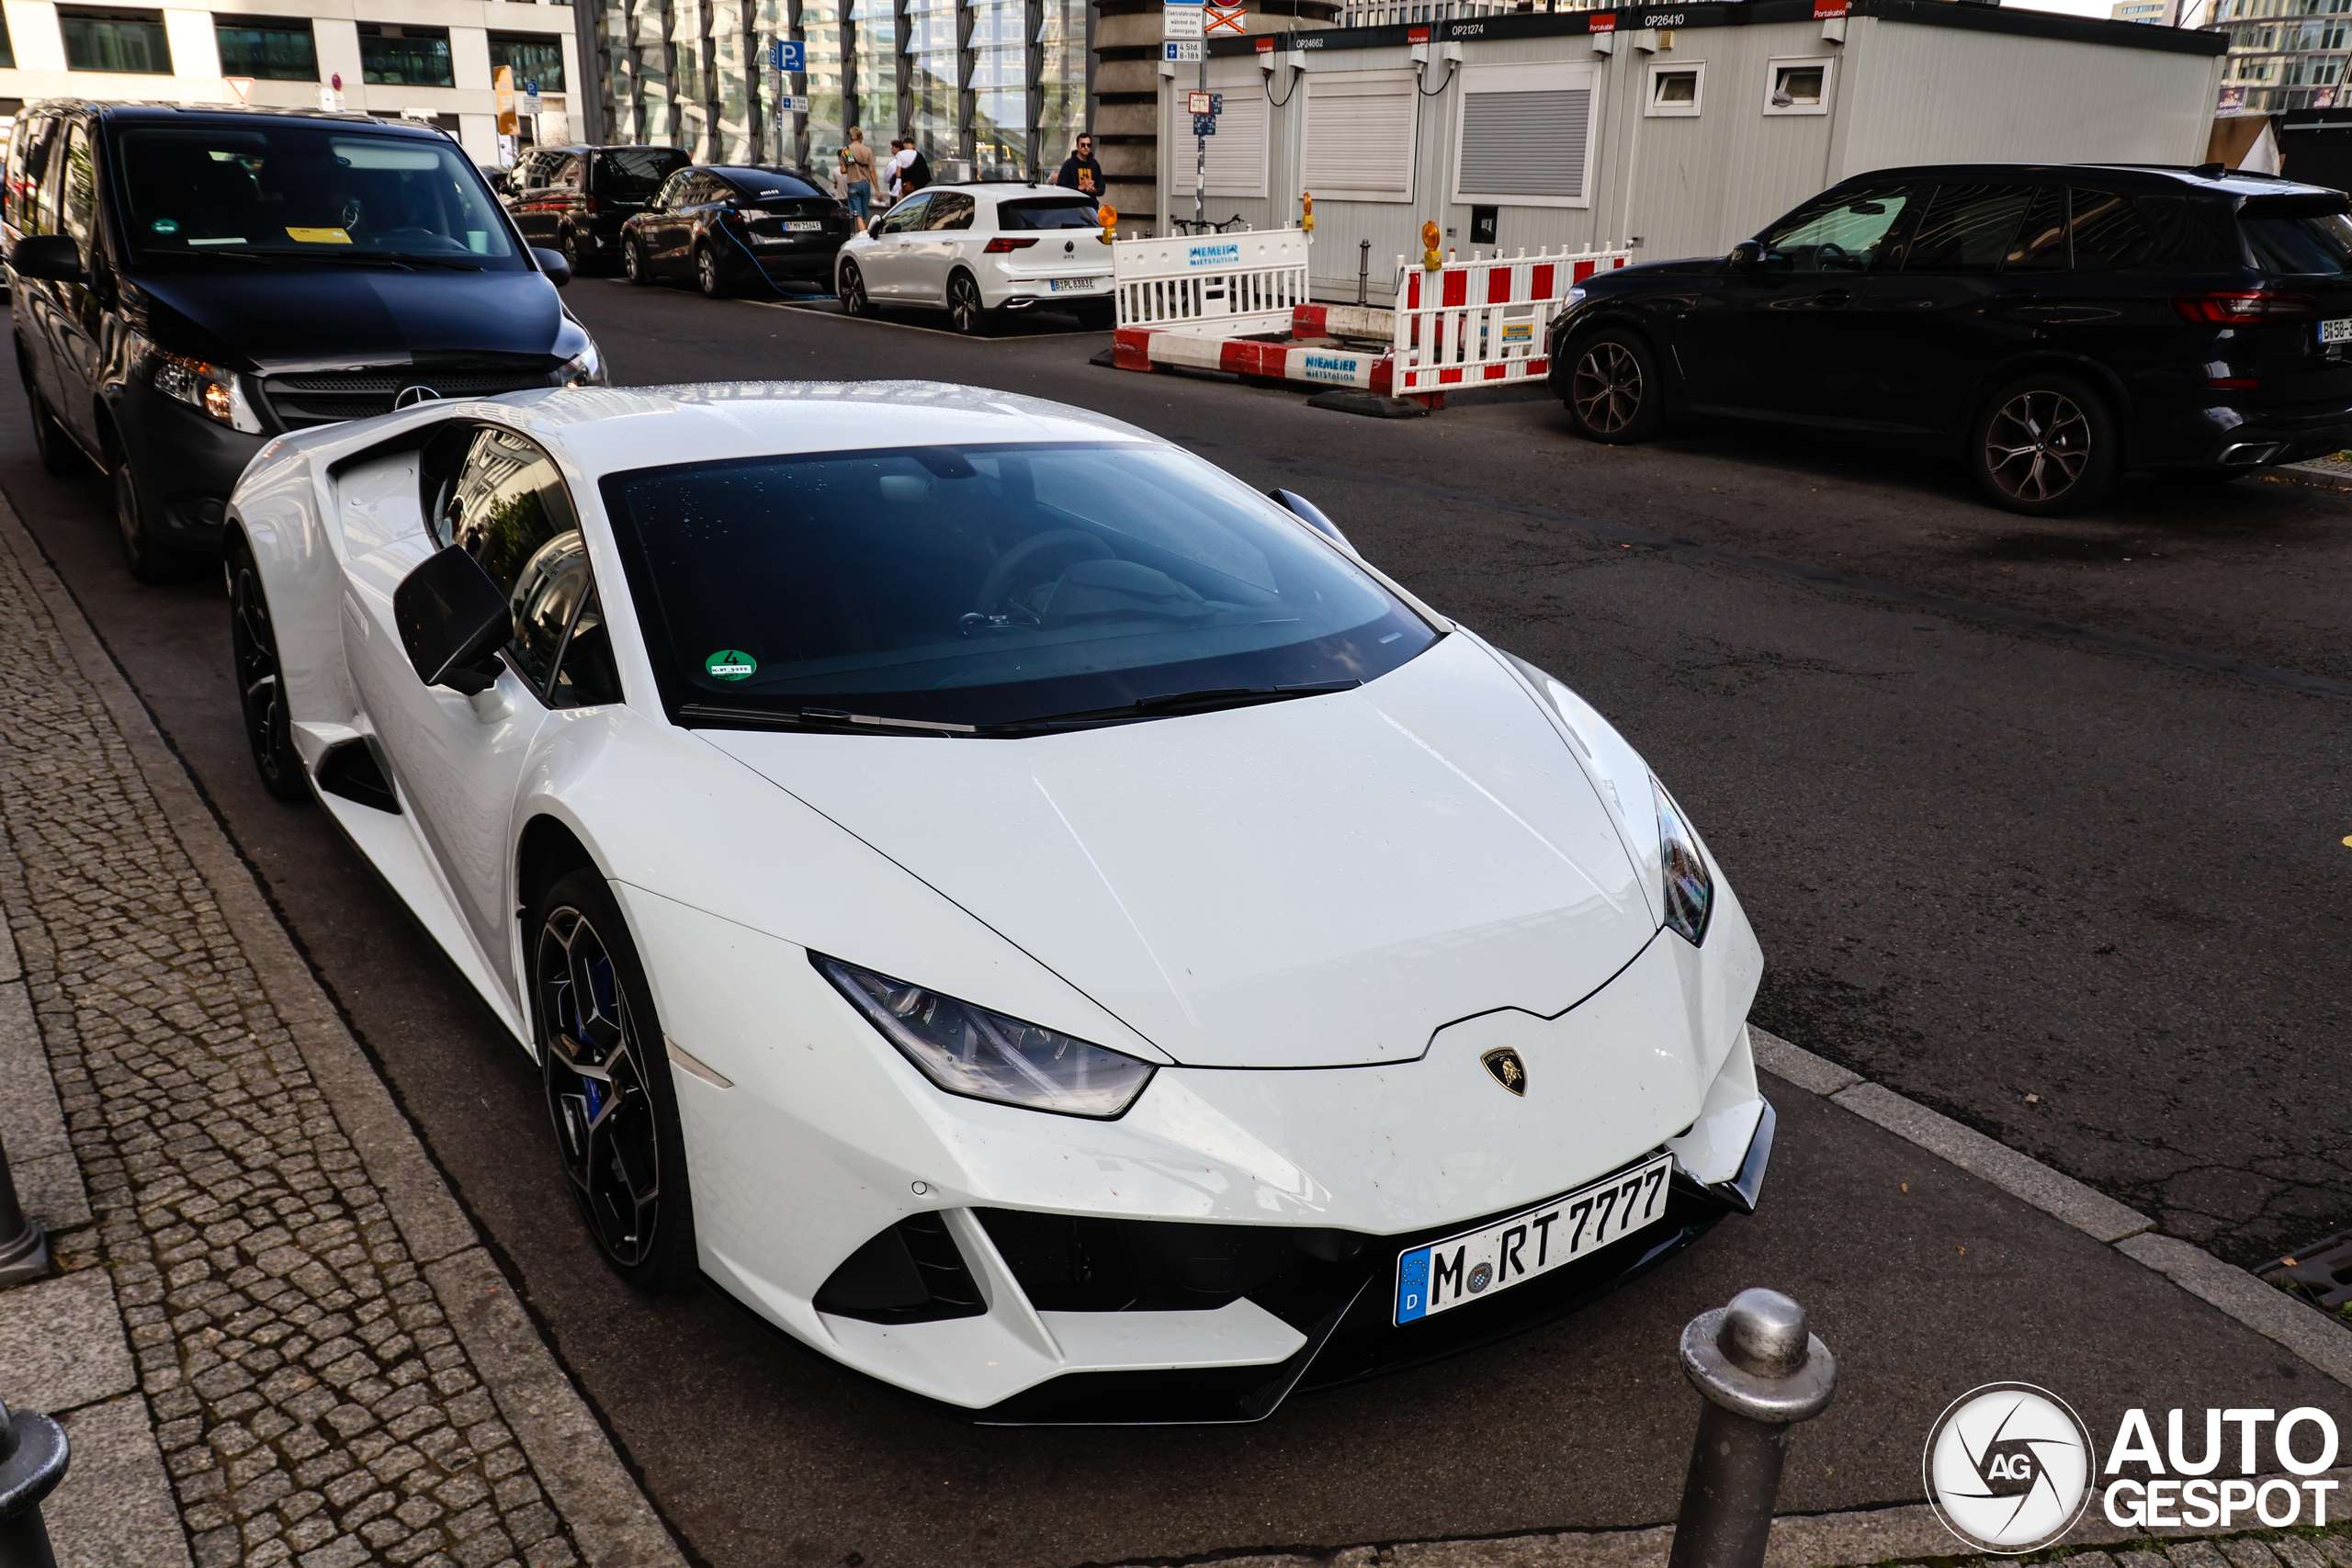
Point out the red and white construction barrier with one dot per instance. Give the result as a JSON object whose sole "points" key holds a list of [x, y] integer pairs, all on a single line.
{"points": [[1485, 323], [1146, 348]]}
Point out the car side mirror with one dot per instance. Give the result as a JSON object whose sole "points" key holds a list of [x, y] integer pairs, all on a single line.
{"points": [[52, 256], [453, 620], [1745, 256], [559, 270], [1311, 515]]}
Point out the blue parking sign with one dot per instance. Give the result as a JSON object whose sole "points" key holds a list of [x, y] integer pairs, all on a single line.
{"points": [[788, 55]]}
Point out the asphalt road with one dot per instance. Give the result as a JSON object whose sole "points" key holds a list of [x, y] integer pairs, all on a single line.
{"points": [[2017, 809]]}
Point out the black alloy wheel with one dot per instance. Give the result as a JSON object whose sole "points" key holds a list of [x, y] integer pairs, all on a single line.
{"points": [[855, 301], [1613, 390], [607, 1077], [260, 679], [634, 263], [964, 311], [2045, 445], [571, 257], [706, 276], [149, 561]]}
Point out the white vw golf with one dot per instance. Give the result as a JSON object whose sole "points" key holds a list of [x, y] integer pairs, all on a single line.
{"points": [[1032, 917], [976, 250]]}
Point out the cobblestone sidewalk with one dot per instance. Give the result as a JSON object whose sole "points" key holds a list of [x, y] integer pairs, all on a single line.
{"points": [[312, 1399]]}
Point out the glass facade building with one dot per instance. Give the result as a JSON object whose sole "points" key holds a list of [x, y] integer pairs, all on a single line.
{"points": [[989, 89], [2284, 54]]}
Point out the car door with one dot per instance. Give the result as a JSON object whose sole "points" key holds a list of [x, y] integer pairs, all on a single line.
{"points": [[1774, 336], [34, 208], [1971, 290], [74, 318], [931, 249], [661, 225], [885, 262], [460, 762]]}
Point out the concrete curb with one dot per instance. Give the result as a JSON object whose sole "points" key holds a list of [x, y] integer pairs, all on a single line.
{"points": [[585, 1481], [2318, 1339], [2308, 474]]}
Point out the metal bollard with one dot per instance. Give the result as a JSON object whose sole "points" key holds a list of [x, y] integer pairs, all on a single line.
{"points": [[33, 1454], [24, 1246], [1763, 1371]]}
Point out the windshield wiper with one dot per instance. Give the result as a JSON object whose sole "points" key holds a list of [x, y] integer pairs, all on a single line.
{"points": [[339, 258], [1166, 705], [826, 719], [207, 252]]}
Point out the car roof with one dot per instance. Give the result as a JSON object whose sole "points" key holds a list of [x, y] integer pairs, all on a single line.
{"points": [[608, 430], [115, 108], [1000, 188], [2215, 178]]}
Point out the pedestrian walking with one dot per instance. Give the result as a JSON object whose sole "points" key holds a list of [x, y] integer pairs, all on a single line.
{"points": [[914, 169], [1079, 171], [857, 164]]}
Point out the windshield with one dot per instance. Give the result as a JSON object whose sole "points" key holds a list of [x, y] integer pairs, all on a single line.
{"points": [[305, 188], [986, 586], [769, 184], [2305, 242], [1049, 214], [636, 172]]}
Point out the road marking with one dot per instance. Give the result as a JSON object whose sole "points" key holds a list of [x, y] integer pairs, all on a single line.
{"points": [[2318, 1339]]}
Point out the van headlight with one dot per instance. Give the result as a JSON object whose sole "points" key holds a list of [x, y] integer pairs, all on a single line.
{"points": [[211, 390], [585, 368]]}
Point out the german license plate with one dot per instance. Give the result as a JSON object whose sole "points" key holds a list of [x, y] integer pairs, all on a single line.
{"points": [[1069, 284], [1444, 1274], [2336, 331], [803, 226]]}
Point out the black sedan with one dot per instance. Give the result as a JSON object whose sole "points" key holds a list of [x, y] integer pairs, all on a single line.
{"points": [[2054, 325], [728, 228]]}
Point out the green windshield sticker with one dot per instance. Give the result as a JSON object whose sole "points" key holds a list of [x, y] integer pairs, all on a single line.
{"points": [[730, 664], [165, 225]]}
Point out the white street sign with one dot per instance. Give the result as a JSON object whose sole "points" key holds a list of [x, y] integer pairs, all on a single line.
{"points": [[1181, 51], [1181, 21]]}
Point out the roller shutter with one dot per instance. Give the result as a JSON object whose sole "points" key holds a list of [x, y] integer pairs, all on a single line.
{"points": [[1236, 153], [1360, 136], [1525, 137]]}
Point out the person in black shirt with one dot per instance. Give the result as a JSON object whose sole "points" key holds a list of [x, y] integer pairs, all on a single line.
{"points": [[1079, 171]]}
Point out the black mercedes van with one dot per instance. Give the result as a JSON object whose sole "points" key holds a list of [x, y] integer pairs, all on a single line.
{"points": [[190, 281]]}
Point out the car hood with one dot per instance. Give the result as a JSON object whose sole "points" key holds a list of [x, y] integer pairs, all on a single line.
{"points": [[1324, 882], [286, 318]]}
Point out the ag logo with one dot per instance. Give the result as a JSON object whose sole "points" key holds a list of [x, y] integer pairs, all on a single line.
{"points": [[1508, 1069], [2008, 1468]]}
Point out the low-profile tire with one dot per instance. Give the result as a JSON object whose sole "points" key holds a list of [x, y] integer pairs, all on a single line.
{"points": [[570, 246], [149, 559], [706, 275], [616, 1126], [261, 678], [855, 300], [966, 313], [635, 262], [1615, 394], [2045, 445], [59, 456]]}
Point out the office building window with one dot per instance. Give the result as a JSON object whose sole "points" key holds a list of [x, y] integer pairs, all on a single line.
{"points": [[108, 39], [535, 57], [404, 56], [272, 48]]}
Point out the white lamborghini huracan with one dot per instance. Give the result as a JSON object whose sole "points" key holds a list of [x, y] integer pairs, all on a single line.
{"points": [[1035, 919]]}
